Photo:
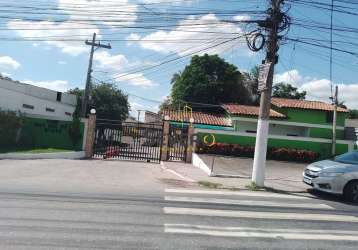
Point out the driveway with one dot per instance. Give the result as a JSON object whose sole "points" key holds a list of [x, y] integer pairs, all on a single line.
{"points": [[84, 176], [235, 172]]}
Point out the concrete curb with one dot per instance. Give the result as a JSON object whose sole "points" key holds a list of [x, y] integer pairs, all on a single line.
{"points": [[60, 155]]}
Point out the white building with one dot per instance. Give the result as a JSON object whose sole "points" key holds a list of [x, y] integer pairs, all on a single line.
{"points": [[35, 101]]}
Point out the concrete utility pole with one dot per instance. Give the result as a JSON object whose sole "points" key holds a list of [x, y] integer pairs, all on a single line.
{"points": [[334, 127], [88, 88], [258, 173]]}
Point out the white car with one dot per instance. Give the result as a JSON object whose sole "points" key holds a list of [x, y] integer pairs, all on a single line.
{"points": [[338, 176]]}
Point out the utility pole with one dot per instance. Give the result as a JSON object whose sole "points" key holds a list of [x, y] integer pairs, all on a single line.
{"points": [[258, 173], [334, 127], [88, 88]]}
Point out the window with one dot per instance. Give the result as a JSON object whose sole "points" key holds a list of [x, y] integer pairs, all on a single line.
{"points": [[68, 114], [59, 96], [50, 110], [292, 134], [329, 117], [27, 106], [251, 131]]}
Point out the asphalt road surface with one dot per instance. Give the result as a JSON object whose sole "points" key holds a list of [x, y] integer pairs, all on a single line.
{"points": [[165, 213]]}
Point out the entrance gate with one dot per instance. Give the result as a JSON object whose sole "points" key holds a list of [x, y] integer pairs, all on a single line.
{"points": [[128, 141], [178, 140]]}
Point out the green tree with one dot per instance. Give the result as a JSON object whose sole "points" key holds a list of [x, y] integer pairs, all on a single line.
{"points": [[10, 125], [108, 100], [285, 90], [209, 79]]}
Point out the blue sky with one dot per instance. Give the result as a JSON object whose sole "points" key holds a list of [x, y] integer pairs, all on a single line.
{"points": [[153, 39]]}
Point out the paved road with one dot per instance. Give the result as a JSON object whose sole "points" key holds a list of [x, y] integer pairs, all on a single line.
{"points": [[168, 216]]}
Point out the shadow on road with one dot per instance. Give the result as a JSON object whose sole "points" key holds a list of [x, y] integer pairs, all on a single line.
{"points": [[330, 197]]}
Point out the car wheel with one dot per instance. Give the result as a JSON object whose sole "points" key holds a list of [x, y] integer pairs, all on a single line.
{"points": [[351, 191]]}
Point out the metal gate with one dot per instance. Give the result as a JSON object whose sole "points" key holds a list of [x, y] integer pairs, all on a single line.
{"points": [[178, 140], [128, 141]]}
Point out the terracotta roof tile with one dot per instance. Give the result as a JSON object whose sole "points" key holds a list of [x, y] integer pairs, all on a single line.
{"points": [[304, 104], [199, 118], [236, 109]]}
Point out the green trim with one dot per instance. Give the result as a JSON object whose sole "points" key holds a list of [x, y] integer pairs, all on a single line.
{"points": [[203, 126]]}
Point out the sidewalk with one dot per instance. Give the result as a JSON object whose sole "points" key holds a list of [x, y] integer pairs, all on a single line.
{"points": [[280, 176]]}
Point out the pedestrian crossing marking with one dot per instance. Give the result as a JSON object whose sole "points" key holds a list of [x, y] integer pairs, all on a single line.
{"points": [[236, 193], [283, 233], [260, 215], [248, 202]]}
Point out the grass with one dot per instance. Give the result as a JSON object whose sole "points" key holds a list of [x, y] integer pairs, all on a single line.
{"points": [[35, 151], [209, 184], [253, 187]]}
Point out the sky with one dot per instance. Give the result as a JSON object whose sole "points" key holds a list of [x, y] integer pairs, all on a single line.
{"points": [[43, 43]]}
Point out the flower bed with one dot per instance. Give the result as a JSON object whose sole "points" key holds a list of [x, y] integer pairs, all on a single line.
{"points": [[281, 154]]}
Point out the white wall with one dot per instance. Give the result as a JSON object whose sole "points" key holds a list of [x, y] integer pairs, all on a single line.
{"points": [[13, 95], [275, 129]]}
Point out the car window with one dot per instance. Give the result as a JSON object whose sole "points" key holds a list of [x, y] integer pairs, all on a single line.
{"points": [[351, 158]]}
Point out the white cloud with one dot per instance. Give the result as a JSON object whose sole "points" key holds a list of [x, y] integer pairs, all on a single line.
{"points": [[320, 89], [107, 61], [132, 38], [119, 65], [242, 18], [292, 77], [57, 32], [119, 12], [57, 85], [138, 79], [7, 62], [208, 29], [5, 74]]}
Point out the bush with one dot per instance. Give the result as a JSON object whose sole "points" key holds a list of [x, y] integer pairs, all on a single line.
{"points": [[10, 124], [281, 154], [74, 130]]}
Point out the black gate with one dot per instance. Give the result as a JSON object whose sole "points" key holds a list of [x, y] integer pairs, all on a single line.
{"points": [[128, 141], [178, 139]]}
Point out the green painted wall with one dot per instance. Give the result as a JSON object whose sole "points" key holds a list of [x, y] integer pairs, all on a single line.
{"points": [[41, 133], [325, 133], [310, 116], [324, 149]]}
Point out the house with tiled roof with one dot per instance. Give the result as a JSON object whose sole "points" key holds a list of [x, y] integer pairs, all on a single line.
{"points": [[298, 124], [291, 117]]}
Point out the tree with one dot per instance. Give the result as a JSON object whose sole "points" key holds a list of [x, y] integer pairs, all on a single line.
{"points": [[285, 90], [209, 79], [109, 101], [166, 104], [10, 126]]}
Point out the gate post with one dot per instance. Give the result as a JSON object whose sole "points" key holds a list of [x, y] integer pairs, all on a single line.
{"points": [[190, 144], [90, 135], [165, 145]]}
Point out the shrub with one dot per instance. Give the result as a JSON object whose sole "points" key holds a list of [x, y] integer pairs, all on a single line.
{"points": [[281, 154], [10, 124], [74, 130]]}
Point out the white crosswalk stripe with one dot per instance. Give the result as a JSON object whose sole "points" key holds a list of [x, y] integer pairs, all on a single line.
{"points": [[284, 233], [256, 211], [247, 202], [260, 215], [235, 193]]}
